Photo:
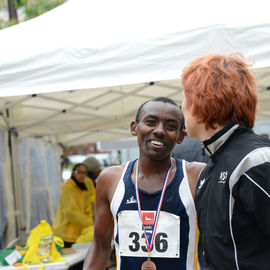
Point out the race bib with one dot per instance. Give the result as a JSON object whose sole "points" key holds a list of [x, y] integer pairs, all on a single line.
{"points": [[132, 239]]}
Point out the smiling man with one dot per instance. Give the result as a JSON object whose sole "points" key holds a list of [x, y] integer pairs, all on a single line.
{"points": [[148, 202]]}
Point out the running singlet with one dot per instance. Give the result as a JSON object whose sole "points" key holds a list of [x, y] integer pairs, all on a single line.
{"points": [[174, 244]]}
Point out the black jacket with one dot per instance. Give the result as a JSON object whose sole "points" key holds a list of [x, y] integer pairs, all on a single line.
{"points": [[233, 201]]}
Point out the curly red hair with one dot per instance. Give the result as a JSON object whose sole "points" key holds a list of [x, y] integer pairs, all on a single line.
{"points": [[220, 89]]}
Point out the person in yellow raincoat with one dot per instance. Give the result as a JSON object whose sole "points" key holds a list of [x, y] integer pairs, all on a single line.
{"points": [[75, 210], [93, 169]]}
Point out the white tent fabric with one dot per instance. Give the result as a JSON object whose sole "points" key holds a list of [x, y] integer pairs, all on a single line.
{"points": [[7, 209], [88, 44], [110, 52], [40, 181]]}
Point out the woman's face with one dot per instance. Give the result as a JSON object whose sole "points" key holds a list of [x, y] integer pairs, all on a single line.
{"points": [[80, 173], [190, 120]]}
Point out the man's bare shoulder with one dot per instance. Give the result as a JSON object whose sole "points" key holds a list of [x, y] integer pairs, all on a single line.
{"points": [[108, 180], [112, 172], [193, 170], [195, 166]]}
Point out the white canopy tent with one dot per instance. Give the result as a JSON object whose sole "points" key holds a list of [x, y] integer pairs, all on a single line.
{"points": [[116, 54], [78, 73]]}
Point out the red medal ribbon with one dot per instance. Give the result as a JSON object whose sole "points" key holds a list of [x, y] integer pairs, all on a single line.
{"points": [[149, 244]]}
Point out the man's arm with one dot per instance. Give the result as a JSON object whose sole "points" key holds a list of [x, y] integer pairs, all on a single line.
{"points": [[100, 250]]}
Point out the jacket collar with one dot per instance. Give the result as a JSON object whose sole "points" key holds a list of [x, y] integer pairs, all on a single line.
{"points": [[211, 145]]}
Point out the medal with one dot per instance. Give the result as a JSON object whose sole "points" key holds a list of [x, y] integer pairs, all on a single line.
{"points": [[148, 265]]}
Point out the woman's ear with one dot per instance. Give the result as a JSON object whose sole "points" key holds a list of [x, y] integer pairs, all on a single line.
{"points": [[181, 136], [133, 128]]}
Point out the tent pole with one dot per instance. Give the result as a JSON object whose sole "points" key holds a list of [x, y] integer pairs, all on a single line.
{"points": [[17, 189]]}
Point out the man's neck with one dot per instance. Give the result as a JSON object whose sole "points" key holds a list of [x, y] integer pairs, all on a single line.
{"points": [[148, 166], [152, 173]]}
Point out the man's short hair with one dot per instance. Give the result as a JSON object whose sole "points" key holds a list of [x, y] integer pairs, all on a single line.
{"points": [[164, 100], [220, 89]]}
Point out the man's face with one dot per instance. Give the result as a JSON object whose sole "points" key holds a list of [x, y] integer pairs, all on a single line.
{"points": [[158, 129]]}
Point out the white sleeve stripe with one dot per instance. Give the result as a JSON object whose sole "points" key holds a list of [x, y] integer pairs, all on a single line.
{"points": [[118, 193], [256, 157], [267, 194]]}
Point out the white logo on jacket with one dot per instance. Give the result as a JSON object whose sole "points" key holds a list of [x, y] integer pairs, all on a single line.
{"points": [[222, 178], [201, 183]]}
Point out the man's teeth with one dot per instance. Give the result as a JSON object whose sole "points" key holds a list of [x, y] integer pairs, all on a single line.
{"points": [[157, 143]]}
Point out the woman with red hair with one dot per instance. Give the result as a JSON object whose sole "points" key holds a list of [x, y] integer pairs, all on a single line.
{"points": [[233, 191]]}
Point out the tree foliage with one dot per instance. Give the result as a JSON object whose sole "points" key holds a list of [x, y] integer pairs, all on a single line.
{"points": [[40, 7], [29, 9]]}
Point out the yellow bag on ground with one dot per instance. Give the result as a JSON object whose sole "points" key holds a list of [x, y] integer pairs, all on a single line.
{"points": [[86, 235], [42, 245]]}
